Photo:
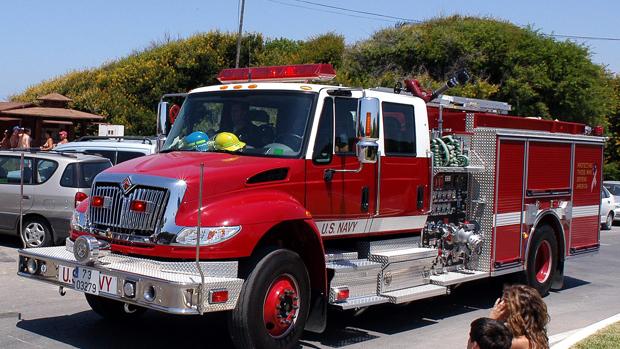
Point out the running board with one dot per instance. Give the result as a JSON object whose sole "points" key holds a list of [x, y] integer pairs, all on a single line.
{"points": [[415, 293], [361, 302], [457, 277]]}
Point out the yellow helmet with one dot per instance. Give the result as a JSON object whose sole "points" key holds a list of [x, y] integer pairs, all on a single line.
{"points": [[228, 141]]}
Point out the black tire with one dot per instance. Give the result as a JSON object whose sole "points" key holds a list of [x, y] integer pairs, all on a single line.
{"points": [[543, 243], [36, 232], [609, 221], [247, 326], [110, 309]]}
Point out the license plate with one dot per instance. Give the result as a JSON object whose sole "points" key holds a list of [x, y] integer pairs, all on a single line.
{"points": [[87, 280]]}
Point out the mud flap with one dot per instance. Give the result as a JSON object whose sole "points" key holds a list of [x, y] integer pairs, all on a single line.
{"points": [[558, 277], [317, 318]]}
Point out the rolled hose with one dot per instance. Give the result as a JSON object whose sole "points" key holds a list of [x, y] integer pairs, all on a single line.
{"points": [[448, 153]]}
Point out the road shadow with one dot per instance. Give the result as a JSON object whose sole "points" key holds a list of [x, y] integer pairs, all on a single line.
{"points": [[571, 282], [155, 330], [11, 241]]}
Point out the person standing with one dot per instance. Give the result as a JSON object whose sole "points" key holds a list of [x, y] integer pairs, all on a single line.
{"points": [[49, 142], [6, 140], [525, 314], [63, 137], [24, 139], [14, 140]]}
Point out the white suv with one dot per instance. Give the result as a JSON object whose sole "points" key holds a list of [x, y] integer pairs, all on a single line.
{"points": [[116, 149]]}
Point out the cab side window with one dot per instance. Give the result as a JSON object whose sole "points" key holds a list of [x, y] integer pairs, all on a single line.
{"points": [[346, 110], [398, 129], [323, 145]]}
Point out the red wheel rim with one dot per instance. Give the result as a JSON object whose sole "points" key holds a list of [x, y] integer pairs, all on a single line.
{"points": [[543, 262], [281, 306]]}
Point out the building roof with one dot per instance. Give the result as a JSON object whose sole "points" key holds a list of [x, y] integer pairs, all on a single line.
{"points": [[54, 97], [55, 113], [13, 105]]}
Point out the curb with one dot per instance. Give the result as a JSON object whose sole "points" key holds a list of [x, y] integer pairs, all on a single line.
{"points": [[585, 332]]}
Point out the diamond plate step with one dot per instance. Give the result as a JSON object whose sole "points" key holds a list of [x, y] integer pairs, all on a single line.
{"points": [[414, 293], [359, 275], [401, 255], [360, 302], [339, 255], [456, 277]]}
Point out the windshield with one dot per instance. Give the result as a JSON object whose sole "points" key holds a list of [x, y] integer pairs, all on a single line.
{"points": [[249, 122]]}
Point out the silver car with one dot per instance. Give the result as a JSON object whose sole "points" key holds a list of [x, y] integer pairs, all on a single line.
{"points": [[54, 184], [614, 190]]}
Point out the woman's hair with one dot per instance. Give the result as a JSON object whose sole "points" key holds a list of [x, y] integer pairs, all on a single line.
{"points": [[527, 315]]}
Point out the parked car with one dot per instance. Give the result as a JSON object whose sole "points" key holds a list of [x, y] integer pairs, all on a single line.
{"points": [[609, 207], [53, 184], [614, 189], [116, 149]]}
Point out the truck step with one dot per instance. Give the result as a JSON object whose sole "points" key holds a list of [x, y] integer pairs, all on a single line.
{"points": [[339, 255], [400, 255], [414, 293], [456, 277], [360, 302], [367, 247], [358, 275]]}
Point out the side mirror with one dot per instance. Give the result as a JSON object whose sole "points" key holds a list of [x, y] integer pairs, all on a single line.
{"points": [[368, 119], [162, 118], [367, 130], [367, 151]]}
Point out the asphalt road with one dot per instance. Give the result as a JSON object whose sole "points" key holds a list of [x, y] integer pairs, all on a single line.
{"points": [[34, 315]]}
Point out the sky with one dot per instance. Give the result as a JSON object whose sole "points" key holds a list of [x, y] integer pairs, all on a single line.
{"points": [[42, 39]]}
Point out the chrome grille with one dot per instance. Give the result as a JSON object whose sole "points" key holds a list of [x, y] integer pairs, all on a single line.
{"points": [[116, 215]]}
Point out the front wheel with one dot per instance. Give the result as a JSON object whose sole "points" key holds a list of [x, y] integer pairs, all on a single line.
{"points": [[609, 221], [542, 259], [274, 303]]}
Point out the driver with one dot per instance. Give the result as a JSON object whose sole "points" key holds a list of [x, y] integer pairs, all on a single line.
{"points": [[227, 141], [242, 126]]}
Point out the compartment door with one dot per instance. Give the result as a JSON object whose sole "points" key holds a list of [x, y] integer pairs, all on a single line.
{"points": [[509, 202], [587, 177]]}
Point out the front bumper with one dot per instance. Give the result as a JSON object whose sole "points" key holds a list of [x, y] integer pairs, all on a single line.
{"points": [[178, 285]]}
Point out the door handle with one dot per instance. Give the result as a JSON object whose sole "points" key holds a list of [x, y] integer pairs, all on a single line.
{"points": [[364, 199], [420, 197], [26, 197]]}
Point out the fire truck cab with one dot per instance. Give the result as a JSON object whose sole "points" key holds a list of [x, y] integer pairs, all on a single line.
{"points": [[274, 200]]}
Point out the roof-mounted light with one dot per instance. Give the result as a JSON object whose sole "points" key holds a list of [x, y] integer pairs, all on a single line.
{"points": [[297, 72]]}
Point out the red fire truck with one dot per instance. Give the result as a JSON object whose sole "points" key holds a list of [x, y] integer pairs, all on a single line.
{"points": [[273, 199]]}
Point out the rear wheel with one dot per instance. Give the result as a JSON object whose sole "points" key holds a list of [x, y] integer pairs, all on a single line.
{"points": [[36, 232], [542, 260], [274, 303], [110, 309], [609, 221]]}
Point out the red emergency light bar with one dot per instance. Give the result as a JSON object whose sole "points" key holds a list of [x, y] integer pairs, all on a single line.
{"points": [[296, 72]]}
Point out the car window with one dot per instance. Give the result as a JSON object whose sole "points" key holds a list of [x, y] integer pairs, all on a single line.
{"points": [[45, 169], [605, 193], [69, 176], [108, 154], [10, 171], [88, 171], [127, 155], [614, 189]]}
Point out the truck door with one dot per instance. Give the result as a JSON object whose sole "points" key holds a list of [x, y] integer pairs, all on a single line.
{"points": [[404, 189], [342, 200]]}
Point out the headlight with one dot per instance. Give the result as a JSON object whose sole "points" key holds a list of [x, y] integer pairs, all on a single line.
{"points": [[208, 235]]}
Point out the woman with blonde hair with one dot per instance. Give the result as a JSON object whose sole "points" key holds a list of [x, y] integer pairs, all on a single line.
{"points": [[525, 314]]}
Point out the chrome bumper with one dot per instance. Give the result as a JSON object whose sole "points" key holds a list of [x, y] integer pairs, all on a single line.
{"points": [[178, 285]]}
